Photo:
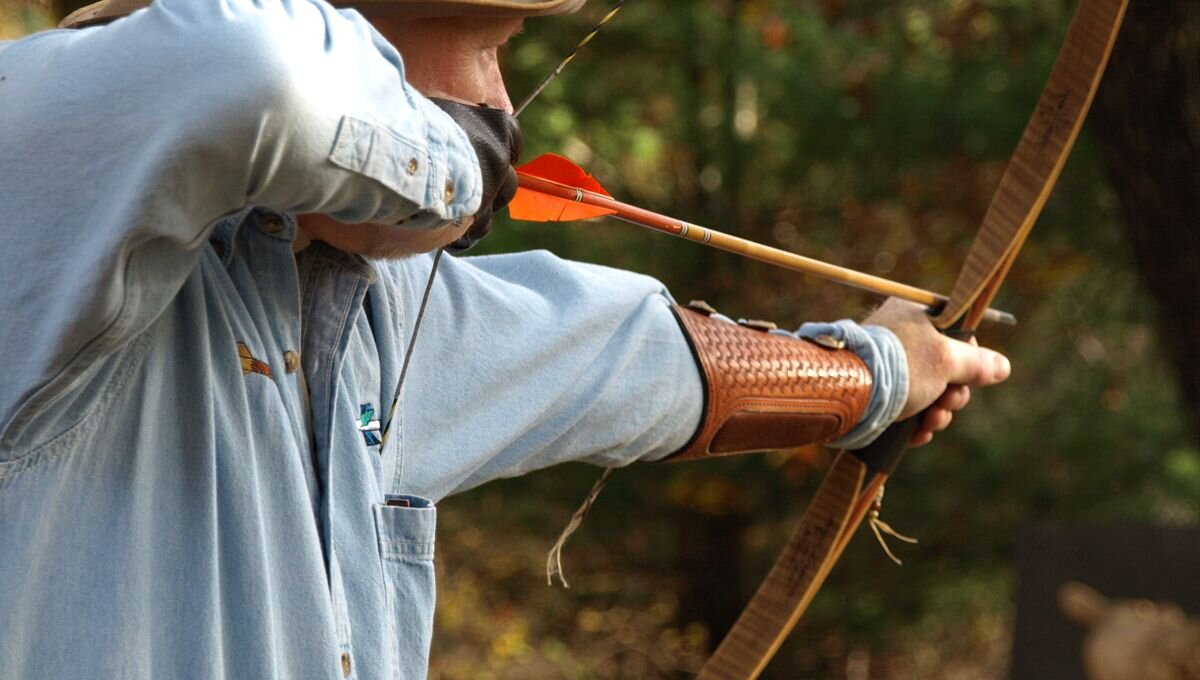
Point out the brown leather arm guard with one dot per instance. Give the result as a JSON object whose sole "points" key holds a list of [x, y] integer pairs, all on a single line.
{"points": [[764, 391]]}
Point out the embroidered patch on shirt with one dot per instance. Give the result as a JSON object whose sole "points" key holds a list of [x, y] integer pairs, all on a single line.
{"points": [[368, 424], [250, 364]]}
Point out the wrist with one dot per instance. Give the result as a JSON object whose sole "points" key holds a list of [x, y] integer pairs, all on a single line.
{"points": [[882, 352]]}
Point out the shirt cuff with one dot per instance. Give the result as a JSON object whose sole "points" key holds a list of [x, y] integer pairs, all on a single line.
{"points": [[432, 167], [881, 350]]}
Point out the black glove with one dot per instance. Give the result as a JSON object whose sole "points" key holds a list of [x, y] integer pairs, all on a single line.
{"points": [[498, 144]]}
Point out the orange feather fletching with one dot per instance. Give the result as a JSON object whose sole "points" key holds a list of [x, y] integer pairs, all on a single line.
{"points": [[533, 205]]}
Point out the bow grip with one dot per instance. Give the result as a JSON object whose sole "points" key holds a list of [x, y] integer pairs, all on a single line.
{"points": [[882, 455]]}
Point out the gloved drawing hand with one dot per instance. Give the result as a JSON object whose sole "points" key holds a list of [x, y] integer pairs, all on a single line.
{"points": [[498, 143]]}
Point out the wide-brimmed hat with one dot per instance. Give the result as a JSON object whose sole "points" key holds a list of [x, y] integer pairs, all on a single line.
{"points": [[107, 10]]}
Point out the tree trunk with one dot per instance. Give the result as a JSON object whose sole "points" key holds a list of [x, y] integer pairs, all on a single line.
{"points": [[1147, 120]]}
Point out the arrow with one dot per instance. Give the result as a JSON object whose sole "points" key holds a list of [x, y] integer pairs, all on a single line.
{"points": [[553, 189]]}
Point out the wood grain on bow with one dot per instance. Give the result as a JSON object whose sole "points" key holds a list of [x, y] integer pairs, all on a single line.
{"points": [[856, 478]]}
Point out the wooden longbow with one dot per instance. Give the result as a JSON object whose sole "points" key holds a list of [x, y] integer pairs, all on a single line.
{"points": [[854, 482]]}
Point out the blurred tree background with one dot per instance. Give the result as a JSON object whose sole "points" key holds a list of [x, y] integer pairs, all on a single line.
{"points": [[870, 134]]}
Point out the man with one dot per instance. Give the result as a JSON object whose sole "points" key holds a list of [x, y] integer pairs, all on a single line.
{"points": [[200, 472]]}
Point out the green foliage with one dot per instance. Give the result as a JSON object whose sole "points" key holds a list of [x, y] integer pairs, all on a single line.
{"points": [[20, 17], [868, 134]]}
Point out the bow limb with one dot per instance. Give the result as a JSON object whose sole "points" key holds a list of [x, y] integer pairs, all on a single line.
{"points": [[1041, 153], [856, 478]]}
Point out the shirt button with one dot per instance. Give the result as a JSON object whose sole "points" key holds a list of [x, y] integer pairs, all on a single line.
{"points": [[291, 361], [271, 224], [413, 166], [345, 664], [449, 194]]}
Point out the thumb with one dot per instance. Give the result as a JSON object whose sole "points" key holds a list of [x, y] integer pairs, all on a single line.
{"points": [[970, 364]]}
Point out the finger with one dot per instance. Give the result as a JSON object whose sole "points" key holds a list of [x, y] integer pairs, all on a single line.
{"points": [[920, 438], [936, 419], [479, 225], [516, 140], [978, 366], [506, 190], [955, 398]]}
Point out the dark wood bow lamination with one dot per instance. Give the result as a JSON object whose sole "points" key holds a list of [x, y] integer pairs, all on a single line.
{"points": [[857, 477]]}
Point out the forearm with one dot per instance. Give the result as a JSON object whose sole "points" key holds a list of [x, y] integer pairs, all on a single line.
{"points": [[563, 362], [839, 384], [884, 357], [766, 389], [542, 361]]}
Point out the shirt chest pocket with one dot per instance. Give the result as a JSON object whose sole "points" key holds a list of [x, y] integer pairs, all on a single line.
{"points": [[405, 528]]}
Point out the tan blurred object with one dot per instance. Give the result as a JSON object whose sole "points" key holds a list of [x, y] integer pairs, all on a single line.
{"points": [[1132, 639]]}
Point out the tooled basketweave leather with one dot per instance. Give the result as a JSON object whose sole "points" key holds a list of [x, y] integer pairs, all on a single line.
{"points": [[765, 391]]}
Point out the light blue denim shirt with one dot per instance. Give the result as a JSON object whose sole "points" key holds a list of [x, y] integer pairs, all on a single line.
{"points": [[192, 483]]}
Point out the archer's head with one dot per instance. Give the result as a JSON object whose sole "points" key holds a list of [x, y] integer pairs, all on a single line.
{"points": [[450, 52], [449, 46]]}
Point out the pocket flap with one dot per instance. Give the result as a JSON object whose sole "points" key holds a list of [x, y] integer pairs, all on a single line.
{"points": [[406, 532]]}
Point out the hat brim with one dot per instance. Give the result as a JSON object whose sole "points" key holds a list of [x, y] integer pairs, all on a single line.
{"points": [[108, 10], [487, 8]]}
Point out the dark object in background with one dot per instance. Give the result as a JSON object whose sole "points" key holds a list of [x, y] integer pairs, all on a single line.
{"points": [[1155, 563], [1145, 124]]}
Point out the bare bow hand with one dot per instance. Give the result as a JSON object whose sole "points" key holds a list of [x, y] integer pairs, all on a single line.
{"points": [[941, 370]]}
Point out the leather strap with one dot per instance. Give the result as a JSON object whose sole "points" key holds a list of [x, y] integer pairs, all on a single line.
{"points": [[753, 400], [1026, 184]]}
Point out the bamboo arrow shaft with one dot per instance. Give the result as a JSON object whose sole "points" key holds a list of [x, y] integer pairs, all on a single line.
{"points": [[745, 247]]}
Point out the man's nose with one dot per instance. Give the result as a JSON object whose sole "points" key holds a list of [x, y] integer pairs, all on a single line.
{"points": [[496, 94]]}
